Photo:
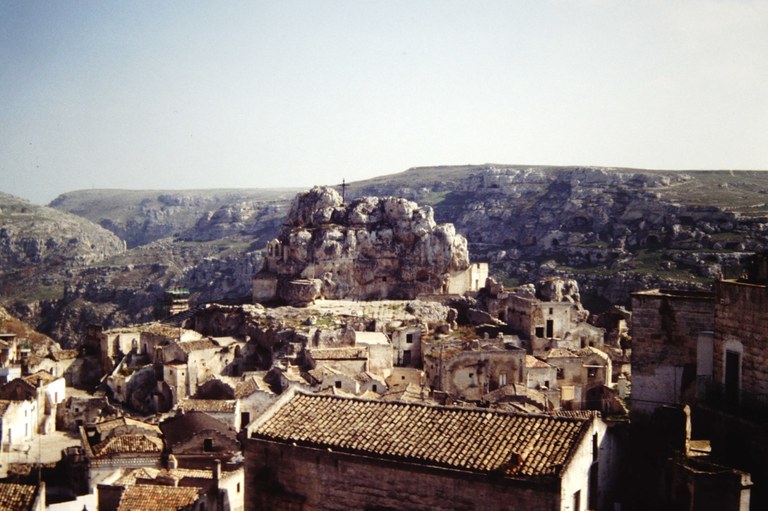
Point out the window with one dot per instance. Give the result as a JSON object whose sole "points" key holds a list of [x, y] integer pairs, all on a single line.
{"points": [[208, 445], [591, 372], [539, 331], [337, 384], [594, 447], [375, 388], [546, 383], [238, 487], [577, 501], [502, 379], [732, 376], [560, 373], [551, 311], [409, 338]]}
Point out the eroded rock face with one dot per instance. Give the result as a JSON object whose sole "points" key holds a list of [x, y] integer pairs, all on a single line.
{"points": [[371, 248], [559, 290]]}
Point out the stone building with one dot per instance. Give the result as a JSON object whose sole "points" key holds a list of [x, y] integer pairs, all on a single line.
{"points": [[328, 452], [197, 440], [469, 370], [44, 391], [372, 248], [406, 345], [549, 315], [18, 419], [224, 410], [581, 376], [252, 394], [205, 489], [114, 444], [668, 330], [708, 350]]}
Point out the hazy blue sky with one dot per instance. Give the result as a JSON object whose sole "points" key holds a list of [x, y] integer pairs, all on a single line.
{"points": [[283, 93]]}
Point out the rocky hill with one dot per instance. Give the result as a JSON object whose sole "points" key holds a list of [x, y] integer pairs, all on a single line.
{"points": [[372, 247], [40, 247], [142, 216], [613, 230]]}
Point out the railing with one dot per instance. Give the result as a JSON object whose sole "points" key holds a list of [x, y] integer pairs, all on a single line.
{"points": [[749, 405]]}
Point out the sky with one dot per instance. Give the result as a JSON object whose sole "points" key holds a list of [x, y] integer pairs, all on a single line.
{"points": [[292, 93]]}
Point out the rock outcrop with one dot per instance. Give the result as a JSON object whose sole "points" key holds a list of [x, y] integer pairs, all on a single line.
{"points": [[370, 248]]}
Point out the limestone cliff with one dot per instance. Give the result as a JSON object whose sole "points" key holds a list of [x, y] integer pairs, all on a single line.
{"points": [[369, 248]]}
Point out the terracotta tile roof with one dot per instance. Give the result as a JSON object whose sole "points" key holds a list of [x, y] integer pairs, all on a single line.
{"points": [[63, 355], [43, 376], [208, 405], [202, 344], [146, 497], [581, 414], [531, 361], [559, 353], [106, 426], [128, 444], [246, 387], [17, 497], [469, 439], [346, 353], [411, 393], [132, 476]]}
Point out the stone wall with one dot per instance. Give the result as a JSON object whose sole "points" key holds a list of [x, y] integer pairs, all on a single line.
{"points": [[741, 325], [282, 477], [665, 330]]}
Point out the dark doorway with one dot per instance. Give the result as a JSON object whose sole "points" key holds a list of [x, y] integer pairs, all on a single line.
{"points": [[732, 362], [550, 328]]}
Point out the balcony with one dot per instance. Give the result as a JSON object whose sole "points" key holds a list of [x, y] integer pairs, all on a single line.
{"points": [[750, 406]]}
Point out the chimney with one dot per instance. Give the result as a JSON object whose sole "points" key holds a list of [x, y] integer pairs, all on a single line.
{"points": [[173, 463]]}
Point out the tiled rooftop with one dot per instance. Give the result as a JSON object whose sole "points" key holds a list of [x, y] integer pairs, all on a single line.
{"points": [[202, 344], [531, 361], [17, 497], [63, 355], [209, 405], [153, 473], [105, 426], [128, 444], [559, 353], [147, 497], [346, 353], [246, 387], [43, 376], [467, 439]]}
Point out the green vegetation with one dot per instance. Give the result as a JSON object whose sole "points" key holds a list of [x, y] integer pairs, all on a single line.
{"points": [[742, 191], [433, 198]]}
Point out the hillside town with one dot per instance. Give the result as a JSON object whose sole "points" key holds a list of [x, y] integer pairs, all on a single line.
{"points": [[379, 367]]}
